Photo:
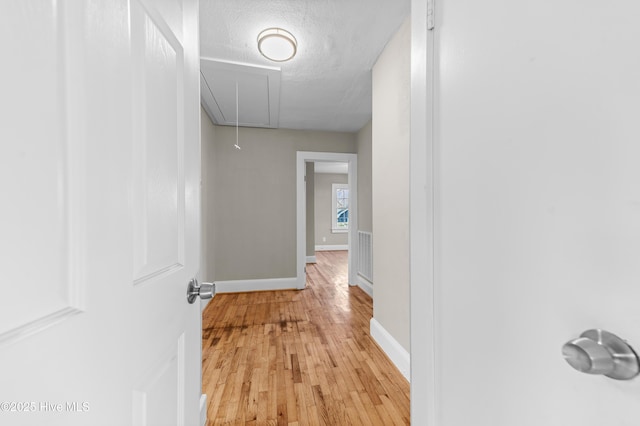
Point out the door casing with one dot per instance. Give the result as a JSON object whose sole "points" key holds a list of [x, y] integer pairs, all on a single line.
{"points": [[303, 157]]}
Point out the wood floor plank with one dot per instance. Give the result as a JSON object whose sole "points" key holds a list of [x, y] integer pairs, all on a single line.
{"points": [[299, 358]]}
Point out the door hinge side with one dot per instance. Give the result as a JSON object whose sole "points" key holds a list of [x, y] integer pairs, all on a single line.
{"points": [[431, 14]]}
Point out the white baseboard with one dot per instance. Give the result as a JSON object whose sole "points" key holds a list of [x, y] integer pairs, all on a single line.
{"points": [[204, 303], [365, 285], [394, 350], [240, 286], [311, 259], [333, 247], [203, 409]]}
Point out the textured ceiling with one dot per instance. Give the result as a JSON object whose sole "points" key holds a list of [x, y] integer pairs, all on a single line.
{"points": [[327, 85]]}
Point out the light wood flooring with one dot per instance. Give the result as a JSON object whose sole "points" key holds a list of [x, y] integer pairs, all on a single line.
{"points": [[299, 357]]}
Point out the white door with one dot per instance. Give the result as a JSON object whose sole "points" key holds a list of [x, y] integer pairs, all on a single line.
{"points": [[536, 156], [99, 169]]}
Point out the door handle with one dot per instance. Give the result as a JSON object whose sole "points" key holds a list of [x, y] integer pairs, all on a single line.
{"points": [[600, 352], [204, 290]]}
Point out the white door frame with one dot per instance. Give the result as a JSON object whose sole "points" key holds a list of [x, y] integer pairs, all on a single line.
{"points": [[425, 383], [303, 157]]}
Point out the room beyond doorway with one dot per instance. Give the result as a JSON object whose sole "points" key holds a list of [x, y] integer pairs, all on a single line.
{"points": [[304, 157], [328, 210]]}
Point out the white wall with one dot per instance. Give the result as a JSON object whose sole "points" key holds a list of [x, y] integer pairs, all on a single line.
{"points": [[207, 138], [255, 208], [390, 186], [363, 140]]}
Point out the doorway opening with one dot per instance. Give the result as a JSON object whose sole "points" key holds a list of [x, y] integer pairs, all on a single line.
{"points": [[327, 217], [344, 224]]}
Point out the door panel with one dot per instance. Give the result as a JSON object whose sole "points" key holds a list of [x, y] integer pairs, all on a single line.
{"points": [[37, 229], [100, 172], [537, 206], [158, 128], [164, 383]]}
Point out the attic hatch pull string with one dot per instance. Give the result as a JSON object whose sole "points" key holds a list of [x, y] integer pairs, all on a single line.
{"points": [[237, 118]]}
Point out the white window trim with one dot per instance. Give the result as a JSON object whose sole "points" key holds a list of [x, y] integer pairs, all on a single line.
{"points": [[334, 207]]}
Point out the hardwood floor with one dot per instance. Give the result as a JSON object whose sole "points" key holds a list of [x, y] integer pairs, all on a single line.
{"points": [[299, 357]]}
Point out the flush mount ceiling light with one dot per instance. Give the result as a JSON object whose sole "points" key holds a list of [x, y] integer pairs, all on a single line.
{"points": [[277, 44]]}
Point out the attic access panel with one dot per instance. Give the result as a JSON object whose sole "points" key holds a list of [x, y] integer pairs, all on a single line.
{"points": [[258, 93]]}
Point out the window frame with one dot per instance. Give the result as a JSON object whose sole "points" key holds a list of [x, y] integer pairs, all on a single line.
{"points": [[334, 208]]}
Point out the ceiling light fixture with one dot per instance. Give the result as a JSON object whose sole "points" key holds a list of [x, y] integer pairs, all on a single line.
{"points": [[277, 44]]}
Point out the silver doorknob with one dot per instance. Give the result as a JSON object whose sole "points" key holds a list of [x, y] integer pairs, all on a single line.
{"points": [[600, 352], [204, 290]]}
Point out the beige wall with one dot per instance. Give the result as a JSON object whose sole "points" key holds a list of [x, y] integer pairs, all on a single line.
{"points": [[363, 141], [255, 206], [324, 196], [390, 180], [310, 209], [207, 138]]}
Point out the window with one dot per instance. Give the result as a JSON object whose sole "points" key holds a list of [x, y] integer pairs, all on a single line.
{"points": [[340, 207]]}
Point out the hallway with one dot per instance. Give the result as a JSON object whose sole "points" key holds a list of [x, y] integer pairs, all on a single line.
{"points": [[299, 357]]}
